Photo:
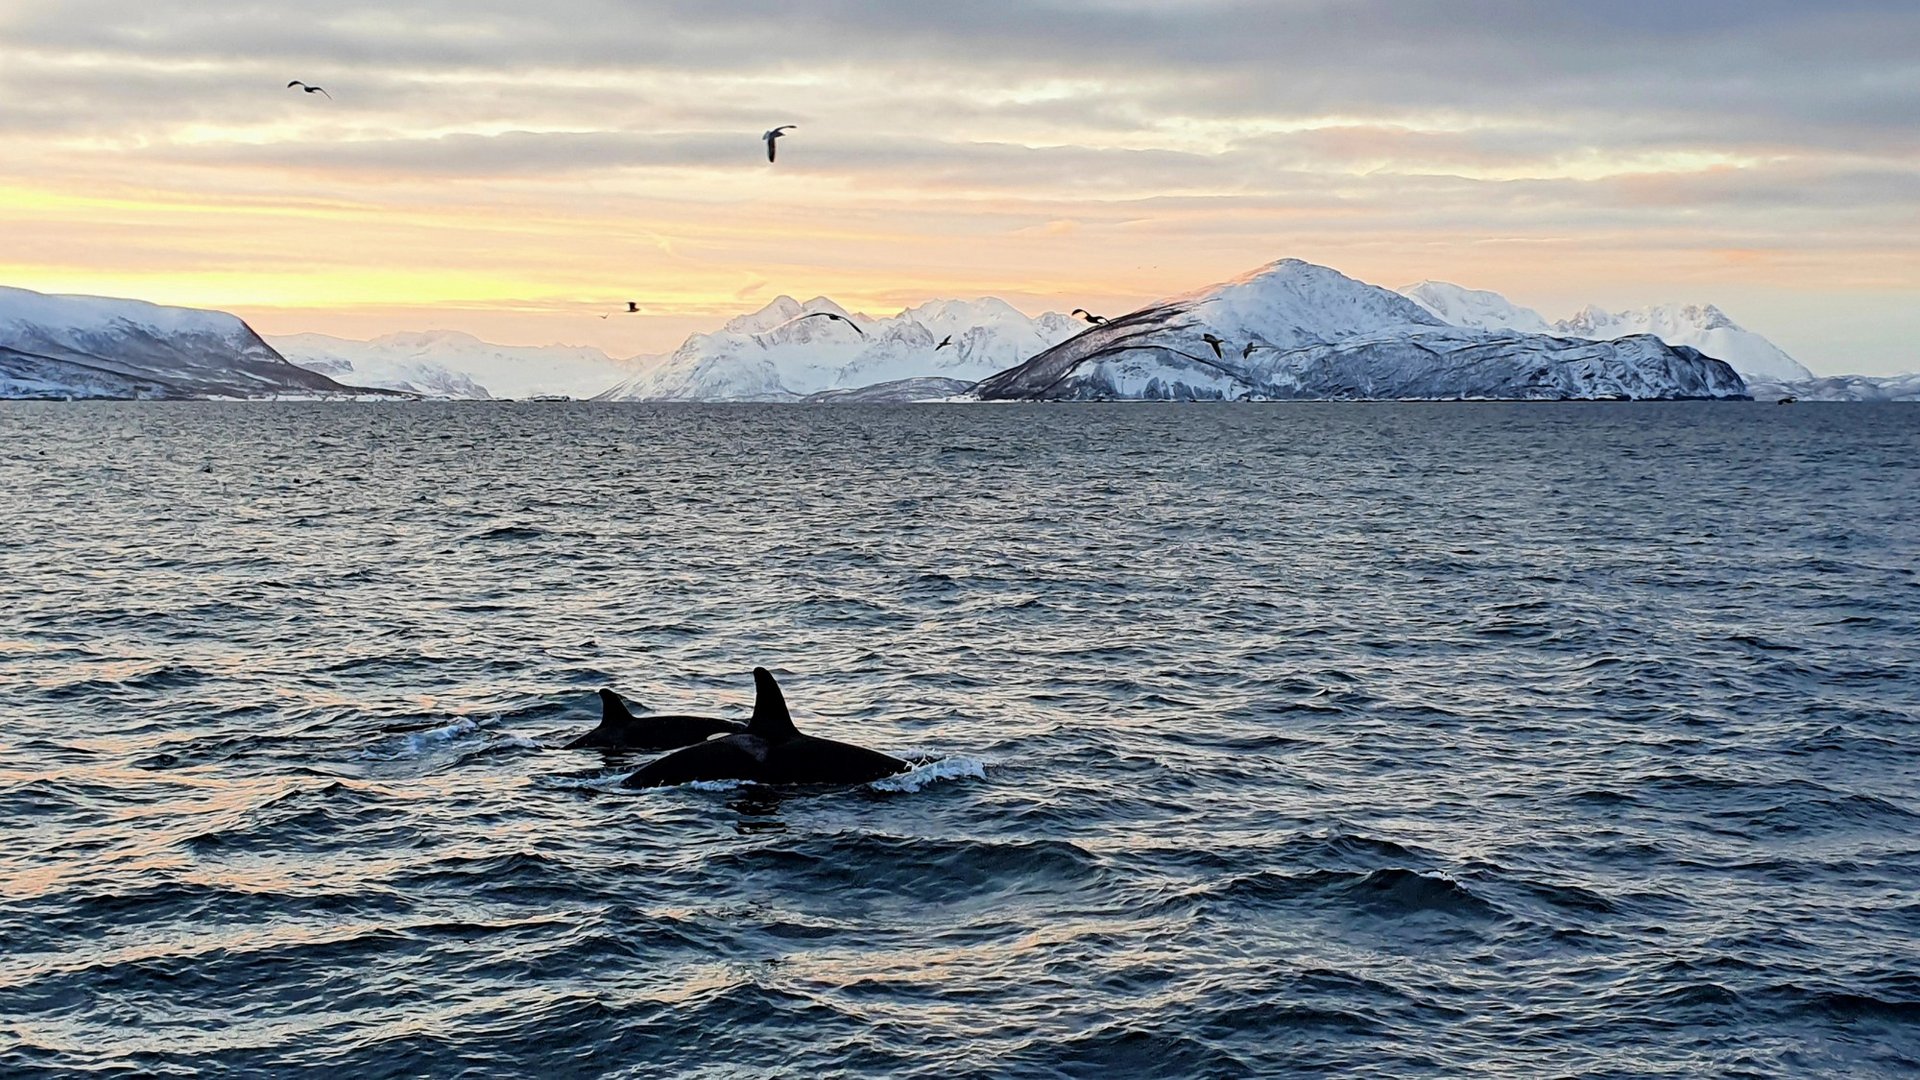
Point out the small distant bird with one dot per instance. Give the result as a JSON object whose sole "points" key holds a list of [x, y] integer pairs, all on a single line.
{"points": [[1251, 346], [829, 315], [632, 308], [775, 134], [944, 342], [1088, 315], [1215, 342], [310, 89]]}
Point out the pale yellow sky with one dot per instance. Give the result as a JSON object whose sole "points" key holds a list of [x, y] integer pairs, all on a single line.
{"points": [[516, 174]]}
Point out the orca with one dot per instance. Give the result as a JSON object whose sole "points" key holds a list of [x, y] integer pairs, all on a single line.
{"points": [[771, 751], [621, 730]]}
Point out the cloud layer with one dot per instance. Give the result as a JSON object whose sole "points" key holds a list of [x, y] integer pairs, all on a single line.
{"points": [[527, 163]]}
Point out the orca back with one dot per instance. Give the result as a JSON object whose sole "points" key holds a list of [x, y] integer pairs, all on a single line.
{"points": [[620, 729]]}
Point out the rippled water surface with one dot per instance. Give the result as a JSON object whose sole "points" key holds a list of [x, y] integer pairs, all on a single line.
{"points": [[1389, 739]]}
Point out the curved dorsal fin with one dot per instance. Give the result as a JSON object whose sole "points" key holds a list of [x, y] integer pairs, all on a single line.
{"points": [[770, 719], [613, 711]]}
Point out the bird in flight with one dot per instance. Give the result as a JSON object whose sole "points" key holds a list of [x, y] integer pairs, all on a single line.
{"points": [[828, 315], [944, 342], [775, 134], [1216, 343], [632, 308], [1252, 345], [310, 89], [1096, 320]]}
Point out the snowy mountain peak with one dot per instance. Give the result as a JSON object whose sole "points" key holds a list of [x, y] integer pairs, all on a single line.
{"points": [[1289, 303], [822, 304], [780, 309], [1291, 329], [1587, 322], [775, 355], [1699, 326], [1477, 308], [1295, 274], [956, 314], [1704, 327]]}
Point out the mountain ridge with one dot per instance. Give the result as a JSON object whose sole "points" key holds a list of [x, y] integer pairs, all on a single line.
{"points": [[64, 346], [1295, 330], [1699, 326]]}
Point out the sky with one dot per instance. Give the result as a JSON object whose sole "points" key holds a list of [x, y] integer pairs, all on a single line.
{"points": [[517, 169]]}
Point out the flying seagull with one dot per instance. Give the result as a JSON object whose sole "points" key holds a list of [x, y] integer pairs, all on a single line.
{"points": [[309, 89], [775, 134], [1216, 343], [944, 342], [828, 315], [1088, 315], [1252, 345], [632, 308]]}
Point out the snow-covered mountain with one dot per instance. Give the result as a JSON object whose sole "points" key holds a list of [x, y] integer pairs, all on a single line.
{"points": [[1295, 330], [1476, 308], [1839, 388], [445, 363], [97, 347], [775, 354], [1705, 328]]}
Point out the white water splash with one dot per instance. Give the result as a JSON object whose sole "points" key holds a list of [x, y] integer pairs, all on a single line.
{"points": [[515, 742], [932, 772], [716, 785], [607, 781], [416, 743]]}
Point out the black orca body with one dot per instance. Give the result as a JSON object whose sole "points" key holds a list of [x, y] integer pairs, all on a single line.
{"points": [[621, 730], [770, 751]]}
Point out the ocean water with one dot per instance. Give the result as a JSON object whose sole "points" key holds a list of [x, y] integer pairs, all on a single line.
{"points": [[1389, 740]]}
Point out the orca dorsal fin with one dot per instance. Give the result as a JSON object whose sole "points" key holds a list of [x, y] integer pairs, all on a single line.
{"points": [[770, 719], [613, 711]]}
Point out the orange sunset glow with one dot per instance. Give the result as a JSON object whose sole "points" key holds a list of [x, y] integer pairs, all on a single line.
{"points": [[517, 178]]}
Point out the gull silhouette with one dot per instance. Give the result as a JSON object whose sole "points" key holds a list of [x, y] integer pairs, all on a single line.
{"points": [[826, 315], [1088, 315], [310, 89], [944, 342], [775, 134], [1216, 343]]}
